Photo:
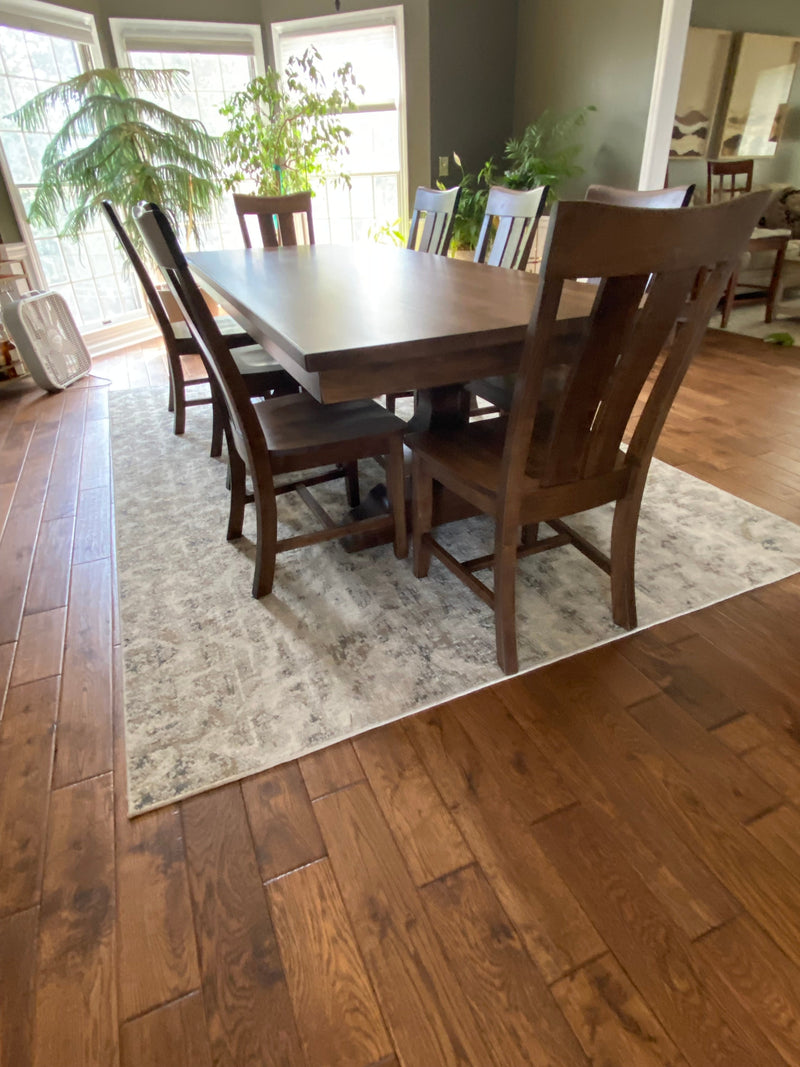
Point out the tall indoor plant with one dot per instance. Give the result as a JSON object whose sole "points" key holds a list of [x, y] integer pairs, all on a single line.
{"points": [[284, 130], [119, 144]]}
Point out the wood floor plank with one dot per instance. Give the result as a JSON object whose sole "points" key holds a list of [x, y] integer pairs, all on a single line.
{"points": [[62, 491], [427, 1015], [15, 449], [511, 1002], [40, 649], [48, 587], [612, 1022], [173, 1035], [35, 474], [330, 769], [764, 982], [555, 929], [27, 741], [337, 1015], [7, 653], [744, 734], [248, 1009], [96, 461], [779, 832], [698, 1010], [16, 553], [76, 1018], [778, 763], [744, 793], [282, 822], [687, 890], [422, 826], [84, 725], [17, 960], [6, 497], [93, 525]]}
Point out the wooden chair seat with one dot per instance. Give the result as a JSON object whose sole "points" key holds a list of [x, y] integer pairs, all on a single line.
{"points": [[226, 324], [580, 381], [282, 435]]}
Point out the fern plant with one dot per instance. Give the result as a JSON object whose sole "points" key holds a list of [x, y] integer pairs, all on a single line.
{"points": [[545, 154], [285, 130], [120, 145]]}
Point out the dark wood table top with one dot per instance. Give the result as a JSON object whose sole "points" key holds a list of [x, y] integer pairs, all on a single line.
{"points": [[357, 321]]}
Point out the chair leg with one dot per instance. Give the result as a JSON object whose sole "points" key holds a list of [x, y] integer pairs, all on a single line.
{"points": [[422, 515], [217, 427], [351, 483], [391, 402], [529, 534], [237, 475], [505, 612], [178, 393], [730, 292], [623, 561], [397, 495], [171, 401], [266, 538]]}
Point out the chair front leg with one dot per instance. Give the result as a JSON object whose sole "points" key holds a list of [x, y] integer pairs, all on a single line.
{"points": [[623, 560], [505, 621], [266, 536], [237, 476], [397, 495], [422, 504], [351, 484], [217, 427]]}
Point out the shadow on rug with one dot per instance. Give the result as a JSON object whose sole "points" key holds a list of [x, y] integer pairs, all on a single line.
{"points": [[219, 686]]}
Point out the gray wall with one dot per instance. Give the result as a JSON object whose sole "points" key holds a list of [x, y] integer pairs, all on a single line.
{"points": [[753, 16], [576, 52], [473, 52]]}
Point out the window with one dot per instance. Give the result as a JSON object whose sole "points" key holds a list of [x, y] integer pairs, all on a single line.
{"points": [[40, 46], [373, 42], [219, 58]]}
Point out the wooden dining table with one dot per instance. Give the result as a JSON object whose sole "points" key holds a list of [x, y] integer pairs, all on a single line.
{"points": [[359, 321]]}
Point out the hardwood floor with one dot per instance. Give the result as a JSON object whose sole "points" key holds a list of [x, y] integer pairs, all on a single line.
{"points": [[598, 862]]}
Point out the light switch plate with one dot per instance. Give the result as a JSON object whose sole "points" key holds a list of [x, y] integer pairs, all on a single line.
{"points": [[444, 166]]}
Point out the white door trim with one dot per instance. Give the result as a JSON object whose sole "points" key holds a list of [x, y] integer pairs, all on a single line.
{"points": [[674, 30]]}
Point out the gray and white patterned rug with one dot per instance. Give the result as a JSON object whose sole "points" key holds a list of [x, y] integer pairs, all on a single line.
{"points": [[219, 686]]}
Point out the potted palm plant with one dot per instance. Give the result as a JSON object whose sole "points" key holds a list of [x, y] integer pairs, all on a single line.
{"points": [[119, 143]]}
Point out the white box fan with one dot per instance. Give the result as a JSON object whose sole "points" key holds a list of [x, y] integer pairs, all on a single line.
{"points": [[47, 339]]}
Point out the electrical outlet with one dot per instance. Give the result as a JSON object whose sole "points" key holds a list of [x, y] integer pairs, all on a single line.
{"points": [[444, 166]]}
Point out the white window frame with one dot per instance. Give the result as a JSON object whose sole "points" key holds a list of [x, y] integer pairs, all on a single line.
{"points": [[80, 27], [354, 20], [171, 35]]}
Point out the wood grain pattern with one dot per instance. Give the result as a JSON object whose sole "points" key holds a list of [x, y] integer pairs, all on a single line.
{"points": [[16, 554], [699, 1012], [248, 1009], [40, 648], [508, 995], [76, 1018], [779, 832], [330, 769], [84, 725], [48, 587], [17, 962], [285, 832], [337, 1015], [427, 1015], [173, 1035], [93, 525], [613, 1023], [27, 736], [430, 841]]}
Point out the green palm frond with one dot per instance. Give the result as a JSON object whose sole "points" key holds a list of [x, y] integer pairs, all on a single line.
{"points": [[119, 145]]}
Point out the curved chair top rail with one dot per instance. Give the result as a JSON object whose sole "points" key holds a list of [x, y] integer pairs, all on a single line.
{"points": [[675, 196]]}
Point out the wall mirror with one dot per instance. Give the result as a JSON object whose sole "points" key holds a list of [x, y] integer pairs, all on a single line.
{"points": [[759, 95], [704, 66]]}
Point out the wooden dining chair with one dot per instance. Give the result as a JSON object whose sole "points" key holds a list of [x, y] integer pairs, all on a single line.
{"points": [[263, 376], [560, 450], [285, 434], [509, 226], [435, 212], [499, 390], [727, 178], [278, 218]]}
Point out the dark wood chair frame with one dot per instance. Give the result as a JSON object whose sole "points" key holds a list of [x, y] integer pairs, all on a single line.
{"points": [[434, 211], [246, 426], [727, 173], [261, 383], [672, 196], [271, 209], [559, 452], [517, 212]]}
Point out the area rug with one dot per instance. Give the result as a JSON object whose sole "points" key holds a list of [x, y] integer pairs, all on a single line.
{"points": [[219, 686]]}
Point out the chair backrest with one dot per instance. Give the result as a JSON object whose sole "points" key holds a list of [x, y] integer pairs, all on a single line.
{"points": [[580, 379], [284, 210], [224, 375], [435, 209], [723, 178], [150, 291], [517, 212], [674, 196]]}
